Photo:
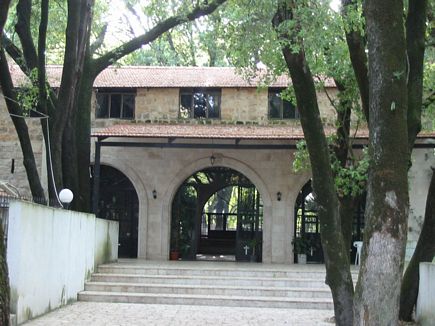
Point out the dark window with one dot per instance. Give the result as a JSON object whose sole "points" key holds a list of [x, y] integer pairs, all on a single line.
{"points": [[117, 104], [200, 103], [280, 108]]}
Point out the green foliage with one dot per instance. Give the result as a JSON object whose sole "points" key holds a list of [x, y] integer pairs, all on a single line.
{"points": [[349, 180], [28, 94], [301, 161], [352, 179], [428, 112]]}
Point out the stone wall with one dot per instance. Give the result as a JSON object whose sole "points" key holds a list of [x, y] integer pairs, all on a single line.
{"points": [[238, 105], [244, 105], [164, 170], [10, 150]]}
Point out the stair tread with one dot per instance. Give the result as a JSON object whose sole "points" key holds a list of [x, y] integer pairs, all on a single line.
{"points": [[215, 297], [208, 277], [188, 286]]}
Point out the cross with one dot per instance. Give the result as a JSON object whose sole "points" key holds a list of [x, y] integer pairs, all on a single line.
{"points": [[246, 249]]}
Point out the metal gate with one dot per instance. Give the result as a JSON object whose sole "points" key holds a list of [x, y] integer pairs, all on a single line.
{"points": [[249, 225]]}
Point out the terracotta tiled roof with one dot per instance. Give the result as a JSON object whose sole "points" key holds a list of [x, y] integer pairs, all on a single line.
{"points": [[140, 76], [195, 131]]}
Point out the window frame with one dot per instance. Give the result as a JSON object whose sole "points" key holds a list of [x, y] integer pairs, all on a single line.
{"points": [[275, 90], [205, 90], [109, 92]]}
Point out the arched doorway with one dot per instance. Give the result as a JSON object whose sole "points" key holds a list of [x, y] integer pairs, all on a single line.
{"points": [[217, 212], [307, 224], [118, 201]]}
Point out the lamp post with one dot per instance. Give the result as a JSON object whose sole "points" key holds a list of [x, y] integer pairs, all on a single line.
{"points": [[66, 196]]}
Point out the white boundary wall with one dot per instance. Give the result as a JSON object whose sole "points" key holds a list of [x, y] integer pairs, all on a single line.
{"points": [[51, 252], [426, 295]]}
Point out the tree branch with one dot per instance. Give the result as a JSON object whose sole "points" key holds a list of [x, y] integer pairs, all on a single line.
{"points": [[4, 8], [42, 40], [22, 27], [358, 57], [162, 27], [415, 46], [99, 41]]}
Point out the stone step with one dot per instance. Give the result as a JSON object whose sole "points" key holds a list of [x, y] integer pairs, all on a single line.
{"points": [[208, 300], [218, 272], [209, 290], [210, 280]]}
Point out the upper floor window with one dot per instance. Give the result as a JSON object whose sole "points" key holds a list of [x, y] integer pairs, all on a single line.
{"points": [[115, 103], [200, 103], [280, 108]]}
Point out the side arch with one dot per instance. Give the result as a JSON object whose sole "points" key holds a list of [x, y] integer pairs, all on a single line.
{"points": [[143, 198]]}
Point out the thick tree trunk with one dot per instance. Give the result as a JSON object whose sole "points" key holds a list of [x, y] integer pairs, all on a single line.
{"points": [[338, 275], [82, 133], [424, 252], [378, 290]]}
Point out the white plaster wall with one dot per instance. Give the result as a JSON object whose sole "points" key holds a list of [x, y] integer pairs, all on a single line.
{"points": [[426, 295], [106, 241], [50, 254], [419, 180]]}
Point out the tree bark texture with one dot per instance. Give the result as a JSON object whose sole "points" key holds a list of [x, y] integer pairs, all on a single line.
{"points": [[336, 253], [358, 57], [77, 35], [4, 9], [415, 44], [4, 276], [4, 282], [424, 252], [378, 290]]}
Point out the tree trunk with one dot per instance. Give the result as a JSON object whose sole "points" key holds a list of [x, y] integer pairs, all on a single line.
{"points": [[4, 281], [4, 8], [378, 290], [82, 133], [424, 252], [338, 275], [415, 45], [347, 207], [22, 130]]}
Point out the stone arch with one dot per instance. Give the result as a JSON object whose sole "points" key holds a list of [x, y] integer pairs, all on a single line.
{"points": [[221, 161], [143, 198]]}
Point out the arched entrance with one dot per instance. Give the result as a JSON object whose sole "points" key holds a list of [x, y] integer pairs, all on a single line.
{"points": [[118, 201], [217, 212], [307, 224]]}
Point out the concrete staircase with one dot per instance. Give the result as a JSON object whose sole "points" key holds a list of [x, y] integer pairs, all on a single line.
{"points": [[210, 283]]}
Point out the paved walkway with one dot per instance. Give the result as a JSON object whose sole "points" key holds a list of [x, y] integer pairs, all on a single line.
{"points": [[99, 314]]}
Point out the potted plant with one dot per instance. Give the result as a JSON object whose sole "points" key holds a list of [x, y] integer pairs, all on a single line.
{"points": [[301, 247]]}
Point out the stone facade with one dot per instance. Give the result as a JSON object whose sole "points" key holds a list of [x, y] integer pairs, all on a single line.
{"points": [[164, 169]]}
